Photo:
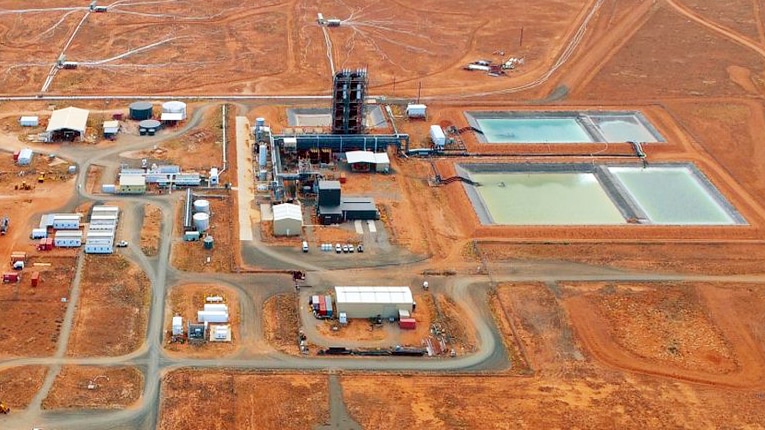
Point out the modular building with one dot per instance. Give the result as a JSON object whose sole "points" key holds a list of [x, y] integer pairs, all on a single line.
{"points": [[99, 247], [100, 234], [39, 233], [132, 184], [103, 219], [362, 161], [288, 220], [29, 121], [111, 128], [366, 302], [329, 193], [212, 316], [105, 210], [68, 239], [66, 222], [416, 111], [25, 157]]}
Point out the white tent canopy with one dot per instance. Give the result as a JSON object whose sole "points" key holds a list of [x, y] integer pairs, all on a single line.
{"points": [[70, 118], [367, 157]]}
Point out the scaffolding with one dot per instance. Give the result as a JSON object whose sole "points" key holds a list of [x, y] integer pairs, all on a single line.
{"points": [[349, 92]]}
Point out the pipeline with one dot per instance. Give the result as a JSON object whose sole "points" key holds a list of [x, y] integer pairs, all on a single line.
{"points": [[225, 130]]}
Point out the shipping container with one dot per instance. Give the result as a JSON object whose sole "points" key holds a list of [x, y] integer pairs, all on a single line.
{"points": [[407, 324], [45, 244], [35, 278], [322, 308], [11, 277], [328, 300]]}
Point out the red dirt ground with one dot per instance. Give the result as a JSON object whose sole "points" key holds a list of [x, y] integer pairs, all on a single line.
{"points": [[19, 385], [241, 400], [111, 316], [115, 388]]}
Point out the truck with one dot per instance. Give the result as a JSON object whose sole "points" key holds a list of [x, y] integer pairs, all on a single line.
{"points": [[4, 223], [18, 256]]}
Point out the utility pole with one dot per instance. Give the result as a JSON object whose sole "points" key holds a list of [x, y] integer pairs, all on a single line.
{"points": [[419, 91], [520, 39]]}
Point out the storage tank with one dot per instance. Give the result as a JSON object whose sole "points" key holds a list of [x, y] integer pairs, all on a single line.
{"points": [[208, 242], [201, 221], [263, 175], [175, 107], [140, 111], [263, 156], [260, 122], [150, 125], [202, 206]]}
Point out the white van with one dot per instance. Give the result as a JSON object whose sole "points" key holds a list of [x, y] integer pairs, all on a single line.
{"points": [[305, 246]]}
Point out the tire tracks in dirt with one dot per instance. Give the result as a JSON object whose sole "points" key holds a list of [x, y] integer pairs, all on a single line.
{"points": [[717, 28], [589, 65]]}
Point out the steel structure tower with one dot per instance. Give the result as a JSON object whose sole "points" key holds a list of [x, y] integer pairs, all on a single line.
{"points": [[348, 94]]}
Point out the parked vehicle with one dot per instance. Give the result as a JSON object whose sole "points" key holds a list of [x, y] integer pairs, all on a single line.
{"points": [[350, 248], [305, 246], [338, 248], [345, 249], [122, 244], [360, 248]]}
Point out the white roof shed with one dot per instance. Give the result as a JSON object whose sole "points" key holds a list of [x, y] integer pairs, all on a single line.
{"points": [[288, 220], [365, 302], [70, 118], [111, 127]]}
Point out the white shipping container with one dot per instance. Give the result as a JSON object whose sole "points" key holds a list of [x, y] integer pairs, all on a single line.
{"points": [[416, 111], [108, 188], [177, 326], [29, 121], [437, 135]]}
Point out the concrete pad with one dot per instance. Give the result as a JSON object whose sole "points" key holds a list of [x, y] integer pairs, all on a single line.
{"points": [[245, 179], [372, 226], [359, 228], [266, 212]]}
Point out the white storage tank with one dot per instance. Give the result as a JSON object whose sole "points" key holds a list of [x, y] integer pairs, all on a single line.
{"points": [[202, 205], [201, 221], [174, 107]]}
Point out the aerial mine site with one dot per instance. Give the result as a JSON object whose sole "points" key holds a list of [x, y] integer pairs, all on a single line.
{"points": [[377, 214]]}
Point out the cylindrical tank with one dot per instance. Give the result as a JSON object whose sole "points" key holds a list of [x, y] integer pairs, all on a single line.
{"points": [[175, 107], [260, 122], [262, 156], [263, 175], [202, 206], [150, 125], [140, 111], [201, 221], [208, 242]]}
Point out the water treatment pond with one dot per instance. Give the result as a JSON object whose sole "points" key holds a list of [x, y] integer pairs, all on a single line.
{"points": [[673, 195], [515, 127], [595, 194]]}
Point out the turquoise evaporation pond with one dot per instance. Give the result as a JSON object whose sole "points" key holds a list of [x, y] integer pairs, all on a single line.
{"points": [[672, 196], [533, 130], [623, 129], [546, 199]]}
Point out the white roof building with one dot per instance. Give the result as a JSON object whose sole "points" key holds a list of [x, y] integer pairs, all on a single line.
{"points": [[70, 118], [379, 159], [365, 302], [288, 220], [111, 127]]}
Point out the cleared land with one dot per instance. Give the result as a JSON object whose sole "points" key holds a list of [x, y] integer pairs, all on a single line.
{"points": [[281, 322], [36, 313], [241, 400], [111, 316], [18, 385], [150, 229], [86, 387]]}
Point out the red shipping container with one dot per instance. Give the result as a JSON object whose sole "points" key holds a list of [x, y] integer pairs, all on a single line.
{"points": [[35, 278], [407, 324], [322, 308], [11, 277]]}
